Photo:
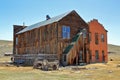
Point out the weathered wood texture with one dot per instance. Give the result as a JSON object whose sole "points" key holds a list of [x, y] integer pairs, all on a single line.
{"points": [[16, 28], [75, 23], [48, 39], [41, 40]]}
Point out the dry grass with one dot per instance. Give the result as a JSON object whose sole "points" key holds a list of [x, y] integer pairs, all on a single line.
{"points": [[5, 46], [98, 71], [5, 59]]}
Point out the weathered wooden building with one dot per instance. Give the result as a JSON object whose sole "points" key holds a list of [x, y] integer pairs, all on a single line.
{"points": [[66, 35]]}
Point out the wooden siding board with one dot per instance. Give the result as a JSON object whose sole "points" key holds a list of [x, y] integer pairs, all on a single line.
{"points": [[48, 39]]}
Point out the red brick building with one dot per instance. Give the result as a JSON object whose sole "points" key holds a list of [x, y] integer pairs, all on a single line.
{"points": [[98, 42]]}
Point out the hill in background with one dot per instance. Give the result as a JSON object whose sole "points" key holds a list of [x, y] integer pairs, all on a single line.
{"points": [[113, 52], [5, 46], [113, 48]]}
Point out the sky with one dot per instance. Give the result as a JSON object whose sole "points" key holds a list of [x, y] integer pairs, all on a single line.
{"points": [[32, 11]]}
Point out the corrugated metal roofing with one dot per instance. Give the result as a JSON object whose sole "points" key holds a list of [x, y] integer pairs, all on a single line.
{"points": [[46, 22]]}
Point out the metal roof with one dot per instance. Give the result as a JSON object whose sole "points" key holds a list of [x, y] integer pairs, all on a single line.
{"points": [[46, 22]]}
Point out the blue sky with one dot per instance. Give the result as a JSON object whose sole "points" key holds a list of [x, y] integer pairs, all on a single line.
{"points": [[31, 11]]}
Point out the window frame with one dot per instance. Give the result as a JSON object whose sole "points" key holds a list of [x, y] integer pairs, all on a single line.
{"points": [[16, 40], [102, 38], [66, 32], [90, 37], [90, 54], [96, 38], [103, 55], [64, 58], [96, 54]]}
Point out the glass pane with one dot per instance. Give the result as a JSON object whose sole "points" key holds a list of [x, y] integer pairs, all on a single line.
{"points": [[97, 54], [16, 41], [63, 32], [102, 37], [66, 32], [68, 29], [64, 28], [68, 35]]}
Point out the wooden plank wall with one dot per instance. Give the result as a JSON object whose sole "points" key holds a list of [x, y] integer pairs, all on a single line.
{"points": [[16, 28], [75, 23], [40, 40], [48, 39]]}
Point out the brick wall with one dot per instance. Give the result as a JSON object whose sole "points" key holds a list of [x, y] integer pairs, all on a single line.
{"points": [[100, 47]]}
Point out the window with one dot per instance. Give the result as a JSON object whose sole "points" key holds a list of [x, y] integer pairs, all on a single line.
{"points": [[64, 57], [66, 32], [84, 33], [16, 51], [102, 37], [96, 38], [89, 38], [81, 56], [16, 40], [90, 54], [103, 56], [97, 54]]}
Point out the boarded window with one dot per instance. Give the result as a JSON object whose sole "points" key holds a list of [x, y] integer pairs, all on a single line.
{"points": [[97, 54], [102, 37], [66, 32], [96, 38]]}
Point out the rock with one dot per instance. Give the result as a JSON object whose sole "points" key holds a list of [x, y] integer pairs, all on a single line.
{"points": [[87, 74], [79, 68], [92, 68], [110, 71], [118, 65], [111, 59], [77, 71]]}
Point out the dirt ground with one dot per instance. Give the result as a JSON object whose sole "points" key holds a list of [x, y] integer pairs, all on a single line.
{"points": [[98, 71]]}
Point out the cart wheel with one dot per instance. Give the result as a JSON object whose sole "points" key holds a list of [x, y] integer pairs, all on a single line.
{"points": [[54, 67]]}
